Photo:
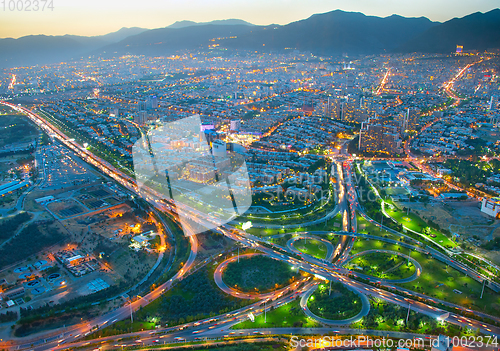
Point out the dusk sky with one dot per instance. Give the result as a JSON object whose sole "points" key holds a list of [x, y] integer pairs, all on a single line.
{"points": [[96, 17]]}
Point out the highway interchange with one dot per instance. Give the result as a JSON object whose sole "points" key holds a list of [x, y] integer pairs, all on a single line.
{"points": [[219, 326]]}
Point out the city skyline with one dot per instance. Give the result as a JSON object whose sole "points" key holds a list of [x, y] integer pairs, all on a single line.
{"points": [[239, 187], [96, 18]]}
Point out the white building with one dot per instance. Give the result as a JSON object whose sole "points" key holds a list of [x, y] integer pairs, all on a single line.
{"points": [[235, 125], [491, 206]]}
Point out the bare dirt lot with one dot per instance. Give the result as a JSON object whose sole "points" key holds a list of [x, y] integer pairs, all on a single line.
{"points": [[462, 217]]}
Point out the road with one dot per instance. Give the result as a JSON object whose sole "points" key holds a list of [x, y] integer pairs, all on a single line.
{"points": [[418, 267], [306, 263], [249, 296], [84, 329]]}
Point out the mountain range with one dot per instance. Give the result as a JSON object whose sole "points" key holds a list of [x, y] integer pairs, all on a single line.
{"points": [[226, 22], [329, 33]]}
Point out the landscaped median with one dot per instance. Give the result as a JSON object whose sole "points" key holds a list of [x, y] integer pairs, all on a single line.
{"points": [[383, 265], [255, 276], [414, 223]]}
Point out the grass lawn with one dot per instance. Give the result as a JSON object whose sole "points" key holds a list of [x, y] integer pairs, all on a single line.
{"points": [[442, 239], [341, 303], [285, 316], [409, 220], [262, 232], [382, 265], [324, 226], [414, 222], [367, 227], [313, 248], [391, 317], [438, 280], [293, 216], [258, 274], [368, 244]]}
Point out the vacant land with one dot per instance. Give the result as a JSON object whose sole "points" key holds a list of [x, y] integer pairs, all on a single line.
{"points": [[31, 240], [461, 217]]}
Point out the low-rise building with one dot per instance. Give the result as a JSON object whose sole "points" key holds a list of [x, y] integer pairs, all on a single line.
{"points": [[491, 206]]}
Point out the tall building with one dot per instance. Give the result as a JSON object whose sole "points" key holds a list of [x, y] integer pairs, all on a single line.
{"points": [[493, 102], [114, 112], [356, 109], [141, 117], [330, 108], [151, 102], [378, 138], [141, 106], [410, 120], [495, 119], [348, 83], [235, 125], [347, 109]]}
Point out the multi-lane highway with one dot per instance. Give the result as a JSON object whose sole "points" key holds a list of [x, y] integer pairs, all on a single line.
{"points": [[213, 328]]}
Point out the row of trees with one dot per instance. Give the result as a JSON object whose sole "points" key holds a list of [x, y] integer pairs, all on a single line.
{"points": [[380, 264], [469, 173], [394, 315], [17, 128], [81, 303]]}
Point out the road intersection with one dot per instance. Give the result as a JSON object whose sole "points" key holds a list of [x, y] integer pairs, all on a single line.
{"points": [[330, 271]]}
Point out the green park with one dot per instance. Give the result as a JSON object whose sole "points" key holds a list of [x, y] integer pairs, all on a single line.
{"points": [[312, 247], [259, 274], [335, 304], [382, 265]]}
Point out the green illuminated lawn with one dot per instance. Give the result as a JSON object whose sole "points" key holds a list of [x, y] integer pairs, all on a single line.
{"points": [[289, 315], [366, 227], [410, 220], [383, 265], [310, 247], [414, 222], [438, 280], [341, 303], [368, 244]]}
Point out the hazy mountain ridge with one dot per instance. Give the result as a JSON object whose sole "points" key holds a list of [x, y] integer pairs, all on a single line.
{"points": [[44, 49], [336, 32], [328, 33], [122, 34], [477, 31], [166, 41], [226, 22]]}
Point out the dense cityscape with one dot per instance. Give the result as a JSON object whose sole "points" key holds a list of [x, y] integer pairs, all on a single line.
{"points": [[234, 199]]}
